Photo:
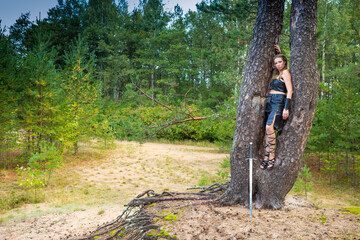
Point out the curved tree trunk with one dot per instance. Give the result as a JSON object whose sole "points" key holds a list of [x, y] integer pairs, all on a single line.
{"points": [[271, 186], [253, 95], [305, 78]]}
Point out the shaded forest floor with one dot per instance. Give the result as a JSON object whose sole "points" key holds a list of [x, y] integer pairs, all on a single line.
{"points": [[93, 187]]}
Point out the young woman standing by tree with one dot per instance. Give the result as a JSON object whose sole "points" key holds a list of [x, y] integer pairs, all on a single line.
{"points": [[277, 107]]}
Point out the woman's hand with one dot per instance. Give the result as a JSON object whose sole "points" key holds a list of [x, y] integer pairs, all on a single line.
{"points": [[285, 114], [277, 48]]}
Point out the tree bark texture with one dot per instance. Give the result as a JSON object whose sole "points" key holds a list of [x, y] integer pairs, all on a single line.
{"points": [[253, 96], [271, 186]]}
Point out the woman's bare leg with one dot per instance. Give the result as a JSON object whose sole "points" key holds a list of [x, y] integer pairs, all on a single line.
{"points": [[270, 141]]}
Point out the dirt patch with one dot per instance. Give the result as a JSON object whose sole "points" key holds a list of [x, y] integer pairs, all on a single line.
{"points": [[131, 168], [292, 222]]}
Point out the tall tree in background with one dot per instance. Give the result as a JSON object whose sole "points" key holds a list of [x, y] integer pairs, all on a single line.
{"points": [[334, 135], [8, 99], [115, 54], [81, 92], [271, 187], [39, 82], [100, 21], [21, 34], [64, 24], [174, 63], [207, 47], [153, 21], [228, 45]]}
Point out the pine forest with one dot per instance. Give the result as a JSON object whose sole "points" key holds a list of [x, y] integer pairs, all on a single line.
{"points": [[95, 73]]}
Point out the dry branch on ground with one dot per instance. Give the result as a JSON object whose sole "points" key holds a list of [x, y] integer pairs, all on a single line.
{"points": [[138, 219]]}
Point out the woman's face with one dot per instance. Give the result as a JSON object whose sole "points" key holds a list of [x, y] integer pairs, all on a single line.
{"points": [[279, 64]]}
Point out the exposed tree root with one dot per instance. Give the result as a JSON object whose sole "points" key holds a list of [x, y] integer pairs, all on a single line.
{"points": [[140, 221]]}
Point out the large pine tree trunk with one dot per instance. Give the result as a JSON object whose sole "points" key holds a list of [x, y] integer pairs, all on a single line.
{"points": [[271, 186], [253, 95], [305, 78]]}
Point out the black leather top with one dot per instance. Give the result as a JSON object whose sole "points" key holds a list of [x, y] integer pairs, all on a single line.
{"points": [[278, 85]]}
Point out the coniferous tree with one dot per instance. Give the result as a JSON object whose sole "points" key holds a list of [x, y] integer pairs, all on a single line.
{"points": [[334, 131], [116, 58], [153, 22], [100, 21], [81, 91], [64, 24], [39, 84], [21, 34], [8, 99], [174, 64]]}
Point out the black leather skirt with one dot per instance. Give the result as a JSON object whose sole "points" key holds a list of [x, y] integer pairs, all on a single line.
{"points": [[274, 110]]}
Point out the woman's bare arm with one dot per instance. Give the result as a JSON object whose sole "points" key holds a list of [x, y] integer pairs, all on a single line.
{"points": [[287, 79]]}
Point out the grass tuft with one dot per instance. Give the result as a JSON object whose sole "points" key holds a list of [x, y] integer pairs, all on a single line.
{"points": [[355, 210]]}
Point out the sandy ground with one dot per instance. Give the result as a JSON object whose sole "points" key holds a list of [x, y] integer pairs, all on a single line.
{"points": [[297, 220], [132, 168]]}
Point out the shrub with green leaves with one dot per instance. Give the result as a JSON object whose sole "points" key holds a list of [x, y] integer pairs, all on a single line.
{"points": [[159, 122], [12, 200], [224, 171], [40, 167], [46, 161], [31, 179]]}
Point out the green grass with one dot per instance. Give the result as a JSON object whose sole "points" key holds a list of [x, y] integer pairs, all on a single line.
{"points": [[354, 203], [206, 179], [355, 210], [170, 217], [341, 193], [101, 212]]}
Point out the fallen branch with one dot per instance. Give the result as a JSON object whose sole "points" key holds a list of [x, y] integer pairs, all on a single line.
{"points": [[136, 220], [192, 118], [216, 187]]}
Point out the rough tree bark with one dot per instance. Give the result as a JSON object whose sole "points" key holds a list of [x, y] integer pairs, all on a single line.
{"points": [[271, 186], [253, 93], [305, 78]]}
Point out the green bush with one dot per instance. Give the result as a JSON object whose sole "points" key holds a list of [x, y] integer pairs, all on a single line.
{"points": [[135, 123], [12, 200], [40, 167], [224, 170]]}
